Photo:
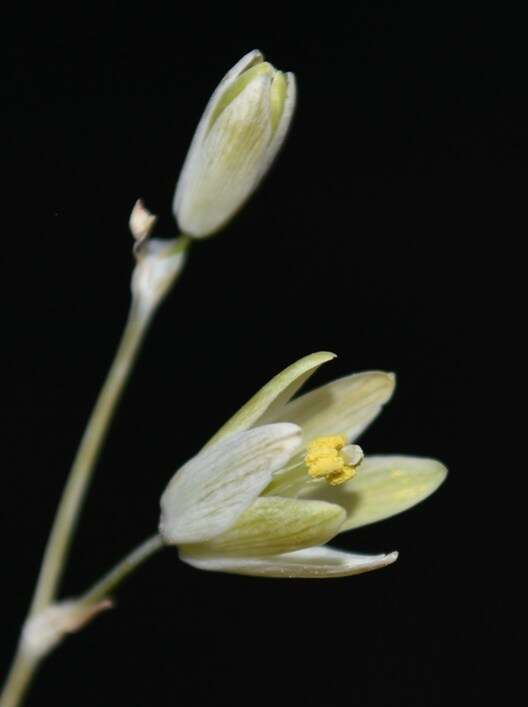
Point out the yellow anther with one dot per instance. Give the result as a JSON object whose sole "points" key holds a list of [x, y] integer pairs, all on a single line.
{"points": [[325, 458]]}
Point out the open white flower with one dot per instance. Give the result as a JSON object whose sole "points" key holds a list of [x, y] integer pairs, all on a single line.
{"points": [[235, 143], [281, 478]]}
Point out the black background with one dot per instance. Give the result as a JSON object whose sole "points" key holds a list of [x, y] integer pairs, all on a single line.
{"points": [[366, 239]]}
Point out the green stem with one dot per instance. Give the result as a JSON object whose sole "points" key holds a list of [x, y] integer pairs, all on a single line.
{"points": [[144, 304], [24, 665], [80, 475], [155, 272], [105, 586], [19, 679]]}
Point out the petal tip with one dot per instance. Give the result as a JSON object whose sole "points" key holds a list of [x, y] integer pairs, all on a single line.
{"points": [[441, 471], [255, 56], [326, 355], [392, 379], [391, 557], [437, 470]]}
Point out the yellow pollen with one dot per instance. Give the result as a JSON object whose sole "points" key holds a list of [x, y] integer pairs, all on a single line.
{"points": [[325, 459]]}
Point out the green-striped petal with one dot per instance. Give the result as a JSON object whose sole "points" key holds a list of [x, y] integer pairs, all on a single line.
{"points": [[275, 525], [211, 491], [382, 487], [344, 406], [273, 396]]}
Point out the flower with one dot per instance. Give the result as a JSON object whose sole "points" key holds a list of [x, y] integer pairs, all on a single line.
{"points": [[237, 139], [281, 478]]}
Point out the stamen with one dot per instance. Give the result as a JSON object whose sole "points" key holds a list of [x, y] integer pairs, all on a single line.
{"points": [[331, 458]]}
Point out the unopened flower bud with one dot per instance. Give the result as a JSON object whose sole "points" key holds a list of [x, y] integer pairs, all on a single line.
{"points": [[239, 135]]}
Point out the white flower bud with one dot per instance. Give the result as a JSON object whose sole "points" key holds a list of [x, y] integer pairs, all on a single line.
{"points": [[239, 135]]}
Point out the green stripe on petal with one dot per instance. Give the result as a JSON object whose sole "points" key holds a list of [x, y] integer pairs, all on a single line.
{"points": [[273, 396], [274, 525], [344, 406], [383, 487], [312, 563], [212, 490]]}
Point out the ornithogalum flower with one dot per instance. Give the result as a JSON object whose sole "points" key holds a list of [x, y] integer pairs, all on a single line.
{"points": [[235, 143], [282, 477]]}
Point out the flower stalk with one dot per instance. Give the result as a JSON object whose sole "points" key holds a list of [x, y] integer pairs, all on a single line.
{"points": [[26, 663], [45, 629], [158, 265], [129, 564], [19, 679], [67, 516]]}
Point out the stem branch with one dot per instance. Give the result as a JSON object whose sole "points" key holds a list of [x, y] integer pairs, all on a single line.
{"points": [[26, 662], [110, 581]]}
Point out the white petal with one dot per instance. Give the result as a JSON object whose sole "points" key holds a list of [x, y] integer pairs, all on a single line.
{"points": [[283, 126], [208, 494], [312, 563], [344, 406], [273, 525], [382, 487], [274, 394]]}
